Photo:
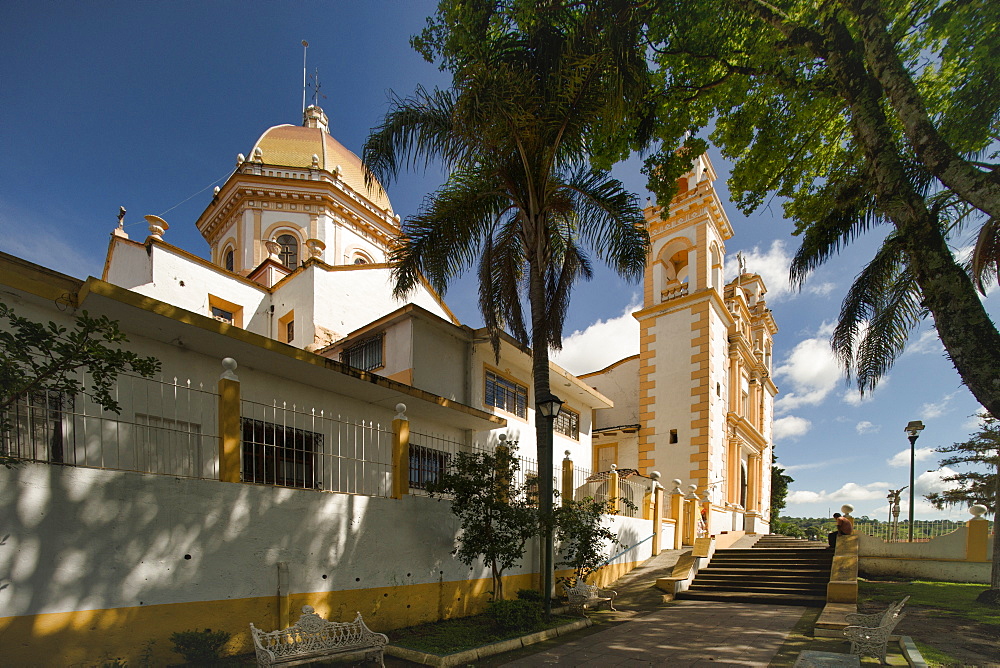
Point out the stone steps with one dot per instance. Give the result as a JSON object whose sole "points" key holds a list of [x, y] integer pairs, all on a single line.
{"points": [[777, 570]]}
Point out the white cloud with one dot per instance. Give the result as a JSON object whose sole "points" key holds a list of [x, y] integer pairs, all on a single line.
{"points": [[935, 410], [772, 265], [826, 463], [902, 458], [47, 244], [790, 427], [928, 342], [602, 343], [866, 427], [811, 369], [850, 492]]}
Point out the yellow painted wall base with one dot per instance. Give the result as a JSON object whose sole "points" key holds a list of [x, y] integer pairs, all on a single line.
{"points": [[90, 637]]}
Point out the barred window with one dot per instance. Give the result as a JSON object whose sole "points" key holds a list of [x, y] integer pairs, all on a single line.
{"points": [[365, 354], [426, 465], [289, 254], [39, 427], [278, 455], [568, 423], [506, 395]]}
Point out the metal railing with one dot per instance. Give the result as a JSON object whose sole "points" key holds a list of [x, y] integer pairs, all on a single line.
{"points": [[166, 427], [430, 456], [923, 530], [293, 446], [632, 491]]}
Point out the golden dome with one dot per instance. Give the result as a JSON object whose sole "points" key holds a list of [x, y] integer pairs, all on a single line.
{"points": [[295, 146]]}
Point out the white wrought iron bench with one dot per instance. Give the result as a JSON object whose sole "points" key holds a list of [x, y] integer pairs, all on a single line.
{"points": [[869, 633], [313, 638], [583, 596]]}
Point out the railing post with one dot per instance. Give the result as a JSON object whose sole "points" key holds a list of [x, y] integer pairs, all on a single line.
{"points": [[691, 506], [657, 493], [503, 474], [706, 508], [230, 431], [567, 480], [677, 510], [977, 538], [613, 489], [400, 453]]}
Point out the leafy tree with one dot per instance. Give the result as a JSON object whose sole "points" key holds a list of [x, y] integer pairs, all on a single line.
{"points": [[977, 486], [495, 516], [582, 536], [973, 485], [863, 113], [779, 489], [37, 358], [521, 201]]}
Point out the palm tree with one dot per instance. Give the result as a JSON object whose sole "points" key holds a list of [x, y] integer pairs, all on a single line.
{"points": [[521, 201]]}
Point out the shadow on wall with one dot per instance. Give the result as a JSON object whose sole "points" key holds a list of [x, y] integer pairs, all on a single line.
{"points": [[95, 559]]}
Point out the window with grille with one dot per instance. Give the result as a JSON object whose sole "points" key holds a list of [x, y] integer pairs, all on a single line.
{"points": [[38, 427], [427, 465], [365, 354], [567, 423], [278, 455], [506, 395]]}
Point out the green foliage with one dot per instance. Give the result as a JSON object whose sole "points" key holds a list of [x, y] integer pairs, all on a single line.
{"points": [[787, 529], [582, 538], [516, 615], [495, 516], [529, 595], [978, 483], [779, 490], [862, 114], [200, 647], [38, 358]]}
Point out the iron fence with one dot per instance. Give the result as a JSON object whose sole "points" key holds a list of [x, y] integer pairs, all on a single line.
{"points": [[166, 426], [923, 530], [293, 446]]}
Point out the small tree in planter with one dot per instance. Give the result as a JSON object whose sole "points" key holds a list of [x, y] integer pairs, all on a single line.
{"points": [[495, 516], [582, 538]]}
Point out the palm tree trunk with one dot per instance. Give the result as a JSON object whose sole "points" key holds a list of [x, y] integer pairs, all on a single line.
{"points": [[543, 426]]}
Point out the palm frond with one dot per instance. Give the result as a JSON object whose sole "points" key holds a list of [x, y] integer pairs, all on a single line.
{"points": [[444, 238], [878, 314], [855, 212], [609, 219], [986, 255], [414, 128]]}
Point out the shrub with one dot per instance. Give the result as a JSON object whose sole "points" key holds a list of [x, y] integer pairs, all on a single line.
{"points": [[200, 646], [517, 615], [529, 595]]}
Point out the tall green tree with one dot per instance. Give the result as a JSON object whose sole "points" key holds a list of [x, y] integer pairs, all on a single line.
{"points": [[495, 517], [864, 114], [522, 202], [976, 485]]}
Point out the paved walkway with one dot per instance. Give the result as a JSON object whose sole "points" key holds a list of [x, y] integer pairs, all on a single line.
{"points": [[687, 633]]}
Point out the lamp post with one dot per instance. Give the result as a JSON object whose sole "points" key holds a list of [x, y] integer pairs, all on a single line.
{"points": [[548, 406], [913, 430]]}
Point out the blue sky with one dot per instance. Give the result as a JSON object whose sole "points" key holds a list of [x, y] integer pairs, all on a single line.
{"points": [[147, 104]]}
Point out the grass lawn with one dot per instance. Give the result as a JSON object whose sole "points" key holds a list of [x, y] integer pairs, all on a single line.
{"points": [[457, 635], [951, 599]]}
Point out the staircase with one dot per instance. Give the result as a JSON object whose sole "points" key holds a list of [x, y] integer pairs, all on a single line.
{"points": [[777, 569]]}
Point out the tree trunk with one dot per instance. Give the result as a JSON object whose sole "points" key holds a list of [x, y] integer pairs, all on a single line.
{"points": [[543, 427]]}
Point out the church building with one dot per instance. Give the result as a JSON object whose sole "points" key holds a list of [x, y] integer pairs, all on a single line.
{"points": [[696, 403]]}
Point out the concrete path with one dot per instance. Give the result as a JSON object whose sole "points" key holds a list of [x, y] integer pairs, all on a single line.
{"points": [[686, 633]]}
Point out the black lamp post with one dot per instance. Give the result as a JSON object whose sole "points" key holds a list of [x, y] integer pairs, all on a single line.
{"points": [[913, 430], [548, 406]]}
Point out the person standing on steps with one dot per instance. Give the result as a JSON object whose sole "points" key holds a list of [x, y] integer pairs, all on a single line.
{"points": [[845, 527]]}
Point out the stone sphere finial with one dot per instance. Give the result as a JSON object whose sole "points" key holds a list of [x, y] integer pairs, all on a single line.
{"points": [[655, 475], [567, 454], [614, 467], [502, 438], [978, 511], [228, 369], [847, 509], [400, 411], [240, 159]]}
